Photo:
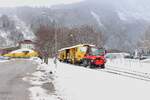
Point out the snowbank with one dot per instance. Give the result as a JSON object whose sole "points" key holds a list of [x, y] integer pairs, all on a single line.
{"points": [[38, 80], [4, 59], [1, 61], [38, 93]]}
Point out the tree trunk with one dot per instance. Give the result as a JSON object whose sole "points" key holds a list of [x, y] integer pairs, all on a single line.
{"points": [[46, 60]]}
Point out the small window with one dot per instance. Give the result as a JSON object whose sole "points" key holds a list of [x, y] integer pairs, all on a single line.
{"points": [[83, 49], [25, 52], [97, 52]]}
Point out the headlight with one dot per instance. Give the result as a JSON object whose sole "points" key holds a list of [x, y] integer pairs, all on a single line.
{"points": [[92, 60]]}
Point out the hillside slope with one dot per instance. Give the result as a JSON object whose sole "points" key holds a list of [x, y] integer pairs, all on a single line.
{"points": [[13, 30]]}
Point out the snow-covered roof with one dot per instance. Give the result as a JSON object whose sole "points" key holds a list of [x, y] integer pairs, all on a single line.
{"points": [[26, 42], [21, 50], [79, 45]]}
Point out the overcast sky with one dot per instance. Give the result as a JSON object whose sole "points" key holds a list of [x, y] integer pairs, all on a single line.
{"points": [[13, 3]]}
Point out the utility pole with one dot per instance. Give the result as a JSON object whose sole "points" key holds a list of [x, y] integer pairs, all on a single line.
{"points": [[56, 44]]}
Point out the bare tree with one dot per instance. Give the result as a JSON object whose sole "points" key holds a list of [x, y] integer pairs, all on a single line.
{"points": [[45, 41], [145, 41], [87, 34]]}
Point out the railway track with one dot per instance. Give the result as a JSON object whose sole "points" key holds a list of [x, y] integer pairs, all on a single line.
{"points": [[127, 73]]}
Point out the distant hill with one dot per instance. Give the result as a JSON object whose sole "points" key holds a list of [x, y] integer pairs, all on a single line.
{"points": [[13, 30], [123, 22]]}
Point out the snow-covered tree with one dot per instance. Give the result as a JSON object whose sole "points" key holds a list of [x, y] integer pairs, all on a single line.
{"points": [[144, 43]]}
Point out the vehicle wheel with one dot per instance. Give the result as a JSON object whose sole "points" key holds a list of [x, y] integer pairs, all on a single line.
{"points": [[85, 63], [89, 65], [103, 66]]}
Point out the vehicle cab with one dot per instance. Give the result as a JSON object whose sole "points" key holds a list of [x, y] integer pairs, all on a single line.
{"points": [[94, 57]]}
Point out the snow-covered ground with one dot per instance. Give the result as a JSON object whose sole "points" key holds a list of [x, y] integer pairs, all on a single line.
{"points": [[130, 64], [1, 61], [4, 59], [78, 83]]}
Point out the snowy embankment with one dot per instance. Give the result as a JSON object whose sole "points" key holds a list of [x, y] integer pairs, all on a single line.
{"points": [[1, 61], [41, 81], [4, 59]]}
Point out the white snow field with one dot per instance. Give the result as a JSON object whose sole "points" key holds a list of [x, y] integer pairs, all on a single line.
{"points": [[78, 83], [134, 65], [142, 66]]}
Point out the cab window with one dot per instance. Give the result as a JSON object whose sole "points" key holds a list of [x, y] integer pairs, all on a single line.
{"points": [[97, 52], [83, 49]]}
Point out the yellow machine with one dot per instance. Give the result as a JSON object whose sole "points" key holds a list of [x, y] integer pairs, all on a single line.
{"points": [[73, 54], [22, 54]]}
